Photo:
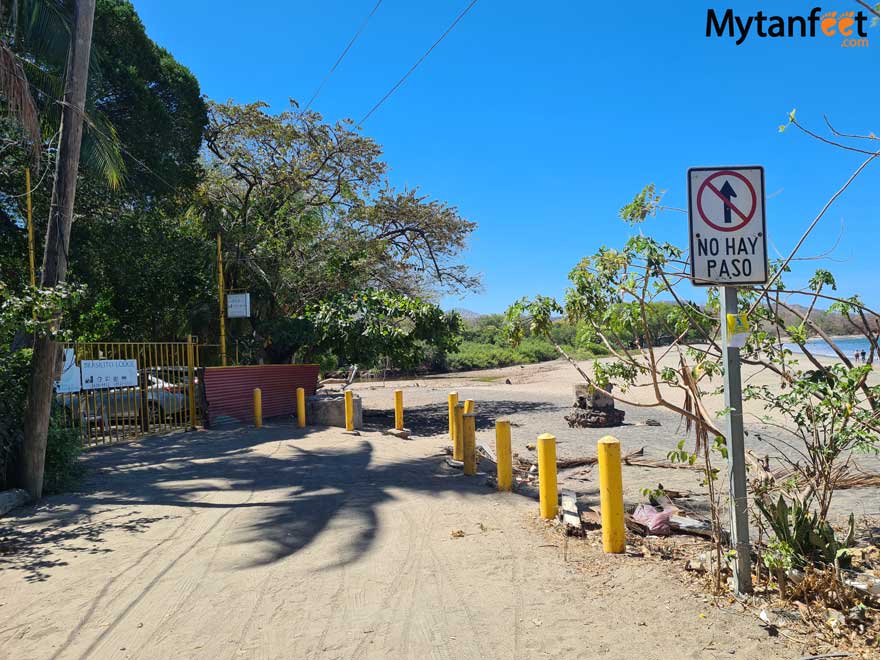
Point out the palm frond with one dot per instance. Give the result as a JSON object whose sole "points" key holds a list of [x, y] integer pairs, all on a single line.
{"points": [[102, 150], [20, 105], [43, 29]]}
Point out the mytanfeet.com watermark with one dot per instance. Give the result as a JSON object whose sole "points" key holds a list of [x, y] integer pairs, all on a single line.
{"points": [[851, 27]]}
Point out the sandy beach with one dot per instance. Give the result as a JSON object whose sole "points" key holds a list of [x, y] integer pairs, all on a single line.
{"points": [[539, 395]]}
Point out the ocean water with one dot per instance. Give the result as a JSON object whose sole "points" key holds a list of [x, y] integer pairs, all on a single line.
{"points": [[848, 345]]}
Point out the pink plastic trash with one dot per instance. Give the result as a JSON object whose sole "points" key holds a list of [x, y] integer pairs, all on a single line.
{"points": [[656, 520]]}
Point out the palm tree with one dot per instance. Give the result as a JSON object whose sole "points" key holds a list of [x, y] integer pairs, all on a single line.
{"points": [[34, 46]]}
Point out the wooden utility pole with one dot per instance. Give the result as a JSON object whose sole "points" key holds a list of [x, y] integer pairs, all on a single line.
{"points": [[55, 255]]}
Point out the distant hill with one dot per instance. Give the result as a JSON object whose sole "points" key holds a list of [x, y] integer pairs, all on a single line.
{"points": [[830, 322], [466, 314]]}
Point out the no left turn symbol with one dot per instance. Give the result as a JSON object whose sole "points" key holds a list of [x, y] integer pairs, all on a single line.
{"points": [[726, 201]]}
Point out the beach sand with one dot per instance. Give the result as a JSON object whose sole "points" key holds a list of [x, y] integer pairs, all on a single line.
{"points": [[538, 397]]}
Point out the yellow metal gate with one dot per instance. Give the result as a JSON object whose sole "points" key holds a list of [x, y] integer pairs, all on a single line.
{"points": [[163, 400]]}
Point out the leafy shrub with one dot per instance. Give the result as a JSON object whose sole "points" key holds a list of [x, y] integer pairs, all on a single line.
{"points": [[473, 355], [534, 349], [805, 538], [14, 371], [63, 447], [587, 350]]}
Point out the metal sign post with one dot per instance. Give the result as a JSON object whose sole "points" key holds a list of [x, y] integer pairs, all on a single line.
{"points": [[736, 457], [221, 286], [728, 247]]}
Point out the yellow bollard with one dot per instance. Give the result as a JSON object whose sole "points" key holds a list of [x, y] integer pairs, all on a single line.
{"points": [[611, 495], [470, 444], [547, 475], [258, 407], [300, 407], [398, 410], [458, 433], [453, 401], [349, 411], [468, 406], [502, 451]]}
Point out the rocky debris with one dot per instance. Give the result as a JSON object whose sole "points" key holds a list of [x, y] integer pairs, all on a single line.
{"points": [[593, 409], [579, 418]]}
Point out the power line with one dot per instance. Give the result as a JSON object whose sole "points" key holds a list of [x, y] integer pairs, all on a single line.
{"points": [[418, 62], [342, 55]]}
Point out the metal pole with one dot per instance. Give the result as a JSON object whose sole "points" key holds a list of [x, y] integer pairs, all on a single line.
{"points": [[547, 487], [398, 410], [611, 496], [504, 456], [221, 288], [736, 460], [30, 225], [191, 374], [469, 441]]}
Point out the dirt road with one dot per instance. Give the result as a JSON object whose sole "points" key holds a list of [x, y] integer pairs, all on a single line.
{"points": [[283, 544]]}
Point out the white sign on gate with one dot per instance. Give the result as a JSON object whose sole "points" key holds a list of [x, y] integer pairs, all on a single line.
{"points": [[69, 381], [728, 231], [101, 374], [238, 305]]}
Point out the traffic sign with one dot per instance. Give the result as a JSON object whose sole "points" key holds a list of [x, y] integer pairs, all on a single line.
{"points": [[728, 232]]}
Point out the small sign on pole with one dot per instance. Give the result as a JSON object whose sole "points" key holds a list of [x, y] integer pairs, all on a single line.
{"points": [[238, 305], [728, 233], [738, 330]]}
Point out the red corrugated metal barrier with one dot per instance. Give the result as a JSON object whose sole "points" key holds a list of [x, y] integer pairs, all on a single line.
{"points": [[230, 390]]}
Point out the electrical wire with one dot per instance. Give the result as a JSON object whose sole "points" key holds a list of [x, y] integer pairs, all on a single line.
{"points": [[342, 55], [418, 62]]}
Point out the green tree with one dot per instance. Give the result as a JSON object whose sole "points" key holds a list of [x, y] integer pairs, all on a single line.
{"points": [[306, 216], [365, 327]]}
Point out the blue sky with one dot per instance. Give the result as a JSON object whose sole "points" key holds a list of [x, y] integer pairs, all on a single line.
{"points": [[540, 120]]}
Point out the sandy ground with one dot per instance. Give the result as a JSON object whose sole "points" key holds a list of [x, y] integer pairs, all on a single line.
{"points": [[281, 543], [539, 396]]}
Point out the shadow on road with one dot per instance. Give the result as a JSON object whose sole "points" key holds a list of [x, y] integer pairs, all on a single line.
{"points": [[290, 491], [434, 419]]}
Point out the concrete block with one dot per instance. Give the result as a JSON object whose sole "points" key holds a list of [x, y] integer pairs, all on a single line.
{"points": [[586, 394], [9, 499], [329, 410]]}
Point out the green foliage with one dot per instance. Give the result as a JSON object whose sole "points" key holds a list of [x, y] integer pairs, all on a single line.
{"points": [[779, 555], [526, 317], [644, 204], [472, 355], [681, 455], [150, 278], [535, 349], [364, 327], [485, 343], [14, 368], [825, 405], [486, 329], [63, 447], [35, 310], [151, 100], [801, 536], [284, 337], [822, 278]]}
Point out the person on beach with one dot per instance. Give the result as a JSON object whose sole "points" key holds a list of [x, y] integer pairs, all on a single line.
{"points": [[856, 358], [864, 357]]}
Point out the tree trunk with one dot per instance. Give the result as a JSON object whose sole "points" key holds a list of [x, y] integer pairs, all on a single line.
{"points": [[55, 255]]}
